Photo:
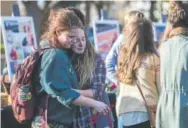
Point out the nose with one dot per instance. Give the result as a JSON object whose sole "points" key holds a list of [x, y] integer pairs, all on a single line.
{"points": [[79, 43]]}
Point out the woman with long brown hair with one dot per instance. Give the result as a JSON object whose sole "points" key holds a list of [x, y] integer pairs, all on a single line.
{"points": [[137, 75], [91, 74], [172, 109], [56, 76]]}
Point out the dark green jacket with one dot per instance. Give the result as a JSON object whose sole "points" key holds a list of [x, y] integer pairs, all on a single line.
{"points": [[57, 77]]}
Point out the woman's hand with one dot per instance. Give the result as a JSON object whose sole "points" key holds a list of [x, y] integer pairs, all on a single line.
{"points": [[101, 107], [153, 108]]}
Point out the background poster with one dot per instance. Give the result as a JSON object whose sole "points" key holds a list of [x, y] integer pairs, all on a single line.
{"points": [[158, 29], [105, 34], [19, 40]]}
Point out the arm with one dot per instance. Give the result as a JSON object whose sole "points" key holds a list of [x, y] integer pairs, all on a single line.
{"points": [[111, 59], [56, 78], [88, 102], [97, 81], [87, 93]]}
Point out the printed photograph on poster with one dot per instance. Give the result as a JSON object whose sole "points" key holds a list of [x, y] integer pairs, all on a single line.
{"points": [[11, 26], [13, 65], [19, 40], [158, 29], [105, 34]]}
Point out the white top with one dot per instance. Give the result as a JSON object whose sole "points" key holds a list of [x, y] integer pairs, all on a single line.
{"points": [[133, 118]]}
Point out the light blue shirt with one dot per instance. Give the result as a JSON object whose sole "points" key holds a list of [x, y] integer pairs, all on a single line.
{"points": [[111, 59]]}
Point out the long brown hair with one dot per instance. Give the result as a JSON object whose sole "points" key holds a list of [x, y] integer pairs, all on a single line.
{"points": [[84, 63], [138, 42], [60, 19]]}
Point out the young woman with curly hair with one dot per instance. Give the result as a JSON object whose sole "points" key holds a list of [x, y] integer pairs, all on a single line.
{"points": [[172, 109]]}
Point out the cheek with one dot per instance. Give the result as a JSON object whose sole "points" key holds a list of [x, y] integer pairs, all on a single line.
{"points": [[63, 40], [74, 47], [84, 45], [67, 40]]}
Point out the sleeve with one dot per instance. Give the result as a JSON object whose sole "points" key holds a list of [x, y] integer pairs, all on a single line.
{"points": [[98, 79], [55, 78], [111, 59]]}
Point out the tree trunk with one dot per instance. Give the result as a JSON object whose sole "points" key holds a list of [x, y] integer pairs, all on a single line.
{"points": [[87, 16], [152, 9]]}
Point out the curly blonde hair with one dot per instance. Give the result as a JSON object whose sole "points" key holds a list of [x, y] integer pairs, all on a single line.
{"points": [[177, 17]]}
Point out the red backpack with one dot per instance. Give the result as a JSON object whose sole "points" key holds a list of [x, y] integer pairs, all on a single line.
{"points": [[22, 92]]}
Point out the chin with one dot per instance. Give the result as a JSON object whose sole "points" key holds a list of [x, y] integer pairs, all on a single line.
{"points": [[79, 52]]}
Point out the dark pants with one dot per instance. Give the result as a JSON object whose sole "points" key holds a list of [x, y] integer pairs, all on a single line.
{"points": [[141, 125], [112, 98], [8, 120]]}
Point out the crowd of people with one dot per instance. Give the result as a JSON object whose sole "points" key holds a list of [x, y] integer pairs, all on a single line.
{"points": [[152, 82]]}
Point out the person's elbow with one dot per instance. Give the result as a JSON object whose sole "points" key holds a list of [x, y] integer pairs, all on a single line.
{"points": [[66, 97]]}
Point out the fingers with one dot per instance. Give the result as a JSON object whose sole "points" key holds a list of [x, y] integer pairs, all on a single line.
{"points": [[105, 110], [102, 108], [152, 108]]}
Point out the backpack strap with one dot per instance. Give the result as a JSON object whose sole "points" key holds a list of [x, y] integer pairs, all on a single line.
{"points": [[44, 113], [44, 119]]}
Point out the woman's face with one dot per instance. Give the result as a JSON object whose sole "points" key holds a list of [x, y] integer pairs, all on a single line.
{"points": [[65, 38], [79, 41]]}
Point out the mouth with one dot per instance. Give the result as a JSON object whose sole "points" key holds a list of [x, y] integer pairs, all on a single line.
{"points": [[80, 48]]}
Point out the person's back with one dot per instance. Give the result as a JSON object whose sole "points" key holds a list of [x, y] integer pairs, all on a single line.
{"points": [[173, 62], [112, 57], [173, 102], [146, 75], [138, 66], [174, 82]]}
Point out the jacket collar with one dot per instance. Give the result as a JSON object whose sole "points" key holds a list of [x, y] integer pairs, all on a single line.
{"points": [[178, 31]]}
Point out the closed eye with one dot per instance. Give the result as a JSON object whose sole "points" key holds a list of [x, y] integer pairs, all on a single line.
{"points": [[72, 36]]}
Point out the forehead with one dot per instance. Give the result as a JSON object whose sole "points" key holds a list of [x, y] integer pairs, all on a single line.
{"points": [[77, 32]]}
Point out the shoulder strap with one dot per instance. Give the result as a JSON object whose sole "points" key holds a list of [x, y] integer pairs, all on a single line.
{"points": [[148, 111], [140, 90]]}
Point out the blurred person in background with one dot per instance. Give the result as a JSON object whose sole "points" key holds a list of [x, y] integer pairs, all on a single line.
{"points": [[137, 75], [111, 58], [91, 75], [56, 77], [172, 109]]}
